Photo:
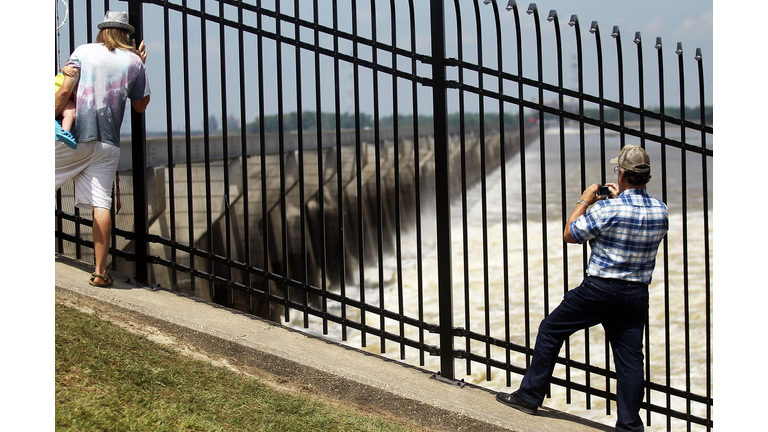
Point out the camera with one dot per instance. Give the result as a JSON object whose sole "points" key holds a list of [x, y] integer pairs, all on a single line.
{"points": [[604, 191]]}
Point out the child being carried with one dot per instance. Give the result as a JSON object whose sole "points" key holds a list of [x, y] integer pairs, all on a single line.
{"points": [[67, 118]]}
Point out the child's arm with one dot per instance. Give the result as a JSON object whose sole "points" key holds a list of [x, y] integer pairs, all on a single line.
{"points": [[70, 71]]}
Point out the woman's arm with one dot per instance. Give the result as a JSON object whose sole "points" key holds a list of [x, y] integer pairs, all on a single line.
{"points": [[62, 96], [141, 104]]}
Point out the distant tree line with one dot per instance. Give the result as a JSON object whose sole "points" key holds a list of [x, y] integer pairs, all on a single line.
{"points": [[692, 114], [290, 121], [309, 119]]}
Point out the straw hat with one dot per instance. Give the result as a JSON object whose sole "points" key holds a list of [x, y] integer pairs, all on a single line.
{"points": [[116, 20]]}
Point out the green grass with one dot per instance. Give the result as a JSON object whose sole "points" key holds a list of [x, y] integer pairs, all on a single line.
{"points": [[108, 379]]}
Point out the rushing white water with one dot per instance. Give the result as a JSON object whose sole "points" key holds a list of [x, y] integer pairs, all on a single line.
{"points": [[488, 281]]}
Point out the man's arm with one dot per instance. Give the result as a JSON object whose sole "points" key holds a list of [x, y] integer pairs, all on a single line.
{"points": [[589, 197], [62, 96]]}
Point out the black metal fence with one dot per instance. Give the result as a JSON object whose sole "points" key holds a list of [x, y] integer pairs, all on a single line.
{"points": [[404, 181]]}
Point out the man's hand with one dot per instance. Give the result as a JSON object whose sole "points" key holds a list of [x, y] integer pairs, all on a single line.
{"points": [[590, 195]]}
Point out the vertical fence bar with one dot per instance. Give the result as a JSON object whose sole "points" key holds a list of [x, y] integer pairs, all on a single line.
{"points": [[284, 265], [484, 190], [483, 179], [320, 169], [71, 27], [300, 154], [684, 182], [225, 153], [59, 224], [464, 204], [207, 149], [662, 125], [377, 150], [523, 185], [188, 144], [396, 143], [502, 172], [532, 9], [139, 155], [620, 60], [246, 246], [574, 22], [641, 85], [641, 98], [705, 208], [595, 29], [265, 221], [442, 187], [89, 38], [563, 196], [417, 177], [116, 186], [169, 139], [503, 181], [89, 20], [358, 171], [59, 206], [79, 235], [339, 180]]}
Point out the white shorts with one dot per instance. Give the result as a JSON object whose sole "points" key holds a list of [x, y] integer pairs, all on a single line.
{"points": [[92, 166]]}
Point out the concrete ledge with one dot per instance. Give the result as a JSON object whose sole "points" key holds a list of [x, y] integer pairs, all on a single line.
{"points": [[290, 359]]}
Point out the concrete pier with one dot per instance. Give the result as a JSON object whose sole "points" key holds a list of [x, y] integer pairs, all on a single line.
{"points": [[292, 221]]}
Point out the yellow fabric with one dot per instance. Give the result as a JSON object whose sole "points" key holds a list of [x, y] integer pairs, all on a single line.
{"points": [[59, 81]]}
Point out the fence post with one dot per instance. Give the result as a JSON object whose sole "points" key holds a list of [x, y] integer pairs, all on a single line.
{"points": [[139, 157], [442, 189]]}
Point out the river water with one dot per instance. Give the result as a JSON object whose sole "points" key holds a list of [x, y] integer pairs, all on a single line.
{"points": [[488, 281]]}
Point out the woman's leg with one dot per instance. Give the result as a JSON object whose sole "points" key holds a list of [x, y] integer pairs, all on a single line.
{"points": [[102, 229]]}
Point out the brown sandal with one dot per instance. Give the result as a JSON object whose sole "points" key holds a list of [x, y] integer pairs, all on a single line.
{"points": [[105, 277]]}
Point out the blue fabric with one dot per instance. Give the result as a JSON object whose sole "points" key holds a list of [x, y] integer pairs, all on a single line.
{"points": [[624, 234], [622, 309], [64, 136]]}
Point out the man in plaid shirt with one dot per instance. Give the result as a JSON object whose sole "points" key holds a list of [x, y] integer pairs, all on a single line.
{"points": [[624, 233]]}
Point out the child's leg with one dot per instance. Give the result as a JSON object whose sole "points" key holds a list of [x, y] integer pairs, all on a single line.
{"points": [[67, 120], [68, 116]]}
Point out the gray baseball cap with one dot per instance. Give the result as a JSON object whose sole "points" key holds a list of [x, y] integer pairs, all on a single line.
{"points": [[633, 158], [119, 20]]}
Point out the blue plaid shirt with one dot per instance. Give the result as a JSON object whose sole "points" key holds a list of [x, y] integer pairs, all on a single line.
{"points": [[624, 234]]}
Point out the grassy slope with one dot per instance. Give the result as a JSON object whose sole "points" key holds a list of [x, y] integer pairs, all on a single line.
{"points": [[108, 379]]}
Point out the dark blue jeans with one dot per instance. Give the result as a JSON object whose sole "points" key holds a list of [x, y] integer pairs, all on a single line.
{"points": [[622, 309]]}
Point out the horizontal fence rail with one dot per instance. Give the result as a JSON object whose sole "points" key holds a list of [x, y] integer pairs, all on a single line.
{"points": [[397, 175]]}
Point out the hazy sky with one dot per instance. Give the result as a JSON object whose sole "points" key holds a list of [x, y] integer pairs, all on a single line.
{"points": [[688, 22]]}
